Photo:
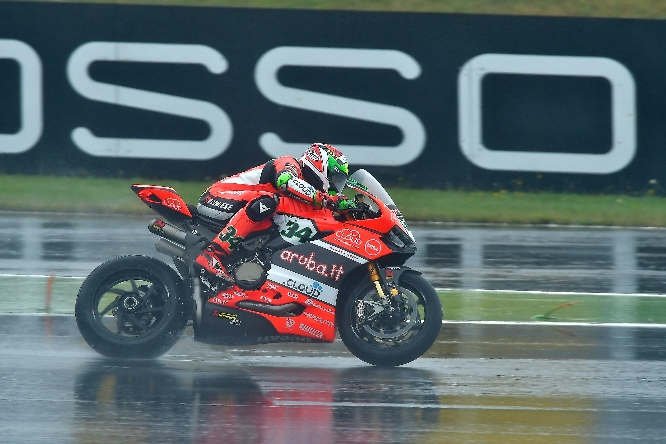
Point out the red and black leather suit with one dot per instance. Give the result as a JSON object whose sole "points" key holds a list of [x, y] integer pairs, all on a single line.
{"points": [[249, 200]]}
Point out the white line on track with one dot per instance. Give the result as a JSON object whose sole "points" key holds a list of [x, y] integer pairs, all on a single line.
{"points": [[38, 314], [451, 406], [560, 324], [475, 290], [525, 292], [41, 276], [558, 293]]}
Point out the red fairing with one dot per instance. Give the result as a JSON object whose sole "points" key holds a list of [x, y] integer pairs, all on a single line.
{"points": [[164, 196], [359, 241], [317, 321]]}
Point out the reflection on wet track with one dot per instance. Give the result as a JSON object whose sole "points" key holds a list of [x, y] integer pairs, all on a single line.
{"points": [[548, 259], [479, 382]]}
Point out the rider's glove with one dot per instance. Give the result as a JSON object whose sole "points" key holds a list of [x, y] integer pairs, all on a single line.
{"points": [[339, 202]]}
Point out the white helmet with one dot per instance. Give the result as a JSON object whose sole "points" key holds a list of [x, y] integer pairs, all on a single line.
{"points": [[324, 167]]}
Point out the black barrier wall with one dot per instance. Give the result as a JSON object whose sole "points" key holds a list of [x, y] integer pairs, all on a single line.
{"points": [[428, 100]]}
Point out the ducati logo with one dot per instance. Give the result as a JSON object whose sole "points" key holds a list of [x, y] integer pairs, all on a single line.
{"points": [[262, 207]]}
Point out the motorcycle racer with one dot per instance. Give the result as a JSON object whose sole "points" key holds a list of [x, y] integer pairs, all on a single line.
{"points": [[249, 199]]}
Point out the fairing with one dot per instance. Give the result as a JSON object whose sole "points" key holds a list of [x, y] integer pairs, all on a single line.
{"points": [[318, 252]]}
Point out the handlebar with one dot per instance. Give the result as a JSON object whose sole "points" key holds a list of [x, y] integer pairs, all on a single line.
{"points": [[360, 211]]}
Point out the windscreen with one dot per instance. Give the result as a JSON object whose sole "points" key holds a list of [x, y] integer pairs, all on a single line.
{"points": [[373, 186]]}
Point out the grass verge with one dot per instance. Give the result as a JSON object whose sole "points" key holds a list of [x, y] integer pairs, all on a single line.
{"points": [[95, 195], [580, 8]]}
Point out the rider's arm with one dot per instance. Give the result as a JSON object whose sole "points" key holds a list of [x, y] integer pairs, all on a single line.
{"points": [[292, 185], [286, 175]]}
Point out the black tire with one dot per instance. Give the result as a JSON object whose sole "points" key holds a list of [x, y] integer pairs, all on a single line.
{"points": [[132, 307], [390, 341]]}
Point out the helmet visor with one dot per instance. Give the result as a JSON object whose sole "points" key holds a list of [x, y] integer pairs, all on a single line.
{"points": [[338, 180]]}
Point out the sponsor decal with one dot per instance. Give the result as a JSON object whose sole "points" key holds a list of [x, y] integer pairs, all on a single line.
{"points": [[315, 304], [317, 319], [222, 298], [158, 225], [336, 152], [277, 338], [310, 330], [307, 286], [302, 186], [236, 193], [340, 251], [172, 202], [313, 290], [309, 263], [355, 184], [395, 216], [373, 247], [212, 202], [271, 286], [290, 323], [398, 219], [291, 294], [314, 155], [232, 318], [349, 237]]}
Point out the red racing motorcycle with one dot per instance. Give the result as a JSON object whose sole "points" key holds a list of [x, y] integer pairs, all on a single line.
{"points": [[312, 272]]}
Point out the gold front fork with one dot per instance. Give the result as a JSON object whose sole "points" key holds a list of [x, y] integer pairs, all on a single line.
{"points": [[374, 277]]}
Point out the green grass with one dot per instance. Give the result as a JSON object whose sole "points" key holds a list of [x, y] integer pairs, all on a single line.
{"points": [[582, 8], [531, 208], [84, 195], [95, 195], [457, 305], [551, 307]]}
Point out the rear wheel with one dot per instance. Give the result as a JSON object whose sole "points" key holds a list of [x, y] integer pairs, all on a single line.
{"points": [[391, 330], [132, 307]]}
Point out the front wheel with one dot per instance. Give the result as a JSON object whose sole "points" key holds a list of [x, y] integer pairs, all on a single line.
{"points": [[391, 330], [132, 307]]}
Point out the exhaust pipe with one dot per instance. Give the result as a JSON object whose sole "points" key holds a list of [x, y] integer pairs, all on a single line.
{"points": [[169, 248], [163, 229]]}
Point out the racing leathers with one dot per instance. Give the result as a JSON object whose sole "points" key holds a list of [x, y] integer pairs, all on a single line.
{"points": [[249, 200]]}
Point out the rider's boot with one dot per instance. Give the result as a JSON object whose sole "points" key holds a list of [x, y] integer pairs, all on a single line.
{"points": [[215, 259], [213, 264]]}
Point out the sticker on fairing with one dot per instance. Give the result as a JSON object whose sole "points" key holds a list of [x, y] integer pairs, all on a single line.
{"points": [[303, 284], [295, 230]]}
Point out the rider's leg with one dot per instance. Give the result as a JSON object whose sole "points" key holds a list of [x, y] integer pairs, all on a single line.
{"points": [[255, 216]]}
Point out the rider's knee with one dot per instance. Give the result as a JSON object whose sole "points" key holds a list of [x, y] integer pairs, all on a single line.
{"points": [[261, 208]]}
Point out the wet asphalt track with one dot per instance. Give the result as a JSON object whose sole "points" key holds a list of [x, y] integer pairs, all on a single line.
{"points": [[479, 383]]}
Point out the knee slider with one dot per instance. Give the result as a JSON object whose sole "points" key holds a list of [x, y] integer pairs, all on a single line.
{"points": [[261, 208]]}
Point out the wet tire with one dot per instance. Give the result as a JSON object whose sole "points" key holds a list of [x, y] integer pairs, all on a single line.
{"points": [[389, 338], [132, 307]]}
